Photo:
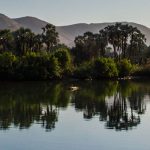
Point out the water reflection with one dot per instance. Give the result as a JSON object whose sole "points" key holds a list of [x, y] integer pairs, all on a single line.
{"points": [[118, 104], [22, 105]]}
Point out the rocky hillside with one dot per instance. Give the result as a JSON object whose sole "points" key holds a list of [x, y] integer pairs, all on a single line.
{"points": [[8, 23], [67, 33], [70, 32]]}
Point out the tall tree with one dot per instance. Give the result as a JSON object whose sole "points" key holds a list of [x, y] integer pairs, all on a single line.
{"points": [[5, 39], [86, 47], [102, 42], [38, 42], [127, 41], [24, 40], [50, 36]]}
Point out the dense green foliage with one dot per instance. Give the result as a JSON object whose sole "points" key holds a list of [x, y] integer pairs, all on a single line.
{"points": [[105, 68], [35, 66], [32, 66], [64, 58], [8, 64], [126, 42], [125, 68], [84, 71], [111, 53]]}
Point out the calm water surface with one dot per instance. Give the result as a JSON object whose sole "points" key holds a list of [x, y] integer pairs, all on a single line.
{"points": [[99, 116]]}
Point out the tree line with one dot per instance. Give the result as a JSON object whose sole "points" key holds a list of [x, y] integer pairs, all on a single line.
{"points": [[113, 52], [24, 40], [122, 40]]}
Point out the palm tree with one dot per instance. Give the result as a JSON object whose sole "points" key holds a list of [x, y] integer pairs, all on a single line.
{"points": [[102, 41], [112, 38], [24, 40], [30, 41], [38, 42], [119, 36], [5, 39], [50, 36], [125, 30], [137, 41], [86, 47]]}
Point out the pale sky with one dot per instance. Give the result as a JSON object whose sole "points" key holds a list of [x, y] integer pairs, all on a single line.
{"points": [[65, 12]]}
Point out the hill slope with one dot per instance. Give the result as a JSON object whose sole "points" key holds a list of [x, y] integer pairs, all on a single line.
{"points": [[8, 23], [72, 31], [32, 23], [67, 33]]}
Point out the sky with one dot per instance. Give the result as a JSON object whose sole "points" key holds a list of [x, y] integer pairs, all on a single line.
{"points": [[65, 12]]}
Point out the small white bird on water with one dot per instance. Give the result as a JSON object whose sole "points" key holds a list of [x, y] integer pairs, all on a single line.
{"points": [[74, 88]]}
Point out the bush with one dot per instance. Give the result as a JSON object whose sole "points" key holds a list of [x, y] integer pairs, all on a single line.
{"points": [[53, 68], [43, 66], [64, 60], [7, 65], [142, 72], [105, 68], [34, 66], [125, 68], [83, 71]]}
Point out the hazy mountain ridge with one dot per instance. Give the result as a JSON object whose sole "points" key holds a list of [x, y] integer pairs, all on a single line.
{"points": [[67, 33], [32, 23], [80, 29], [8, 23]]}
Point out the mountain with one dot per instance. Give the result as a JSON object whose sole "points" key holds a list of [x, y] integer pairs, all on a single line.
{"points": [[36, 26], [8, 23], [71, 31], [32, 23], [67, 33]]}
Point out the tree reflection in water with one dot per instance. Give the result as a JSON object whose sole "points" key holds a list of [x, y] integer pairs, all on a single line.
{"points": [[120, 116], [118, 104], [22, 105]]}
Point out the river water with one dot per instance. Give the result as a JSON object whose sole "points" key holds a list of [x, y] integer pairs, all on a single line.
{"points": [[100, 115]]}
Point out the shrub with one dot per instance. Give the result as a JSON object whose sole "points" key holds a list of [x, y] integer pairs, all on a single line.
{"points": [[104, 68], [64, 60], [53, 67], [125, 68], [142, 71], [34, 66], [7, 65], [83, 71]]}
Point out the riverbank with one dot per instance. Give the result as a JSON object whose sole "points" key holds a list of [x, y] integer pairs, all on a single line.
{"points": [[59, 66]]}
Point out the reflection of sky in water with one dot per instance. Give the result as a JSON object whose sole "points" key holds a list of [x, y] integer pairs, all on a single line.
{"points": [[73, 132]]}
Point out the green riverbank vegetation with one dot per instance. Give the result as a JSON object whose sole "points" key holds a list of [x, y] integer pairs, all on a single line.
{"points": [[116, 51]]}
